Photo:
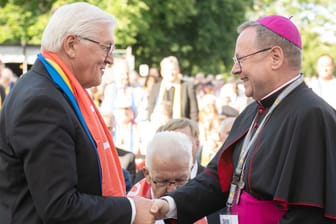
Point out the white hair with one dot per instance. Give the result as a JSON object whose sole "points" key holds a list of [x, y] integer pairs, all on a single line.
{"points": [[78, 18], [169, 144]]}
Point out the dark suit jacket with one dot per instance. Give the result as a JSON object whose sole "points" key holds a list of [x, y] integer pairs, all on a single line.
{"points": [[188, 100], [49, 171], [2, 95]]}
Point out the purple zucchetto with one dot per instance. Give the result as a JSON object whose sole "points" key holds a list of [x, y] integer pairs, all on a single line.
{"points": [[282, 26]]}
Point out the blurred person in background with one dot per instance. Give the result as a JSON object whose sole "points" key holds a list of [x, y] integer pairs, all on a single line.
{"points": [[152, 78], [126, 132], [325, 84], [127, 158], [7, 79], [189, 128], [180, 93]]}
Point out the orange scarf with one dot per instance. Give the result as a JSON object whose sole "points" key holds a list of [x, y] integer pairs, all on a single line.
{"points": [[112, 180]]}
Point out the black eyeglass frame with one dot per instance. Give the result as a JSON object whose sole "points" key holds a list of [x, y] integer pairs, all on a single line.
{"points": [[237, 60], [108, 48], [166, 183]]}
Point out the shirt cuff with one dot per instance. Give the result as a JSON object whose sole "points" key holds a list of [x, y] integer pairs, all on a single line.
{"points": [[172, 213], [133, 209]]}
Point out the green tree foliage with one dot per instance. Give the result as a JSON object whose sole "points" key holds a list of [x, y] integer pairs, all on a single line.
{"points": [[200, 33], [23, 21]]}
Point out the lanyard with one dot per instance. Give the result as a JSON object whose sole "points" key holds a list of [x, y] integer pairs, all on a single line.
{"points": [[249, 140]]}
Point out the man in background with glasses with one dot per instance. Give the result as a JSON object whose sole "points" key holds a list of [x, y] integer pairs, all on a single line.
{"points": [[278, 163], [58, 163], [168, 166]]}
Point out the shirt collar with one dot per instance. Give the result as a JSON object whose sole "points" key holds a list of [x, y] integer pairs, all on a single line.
{"points": [[269, 99]]}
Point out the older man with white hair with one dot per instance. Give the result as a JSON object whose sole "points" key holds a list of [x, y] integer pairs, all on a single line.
{"points": [[168, 166]]}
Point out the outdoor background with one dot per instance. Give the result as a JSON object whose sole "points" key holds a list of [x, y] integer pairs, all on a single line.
{"points": [[201, 33]]}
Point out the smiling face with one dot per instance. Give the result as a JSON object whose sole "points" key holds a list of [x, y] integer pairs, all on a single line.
{"points": [[89, 59], [253, 70]]}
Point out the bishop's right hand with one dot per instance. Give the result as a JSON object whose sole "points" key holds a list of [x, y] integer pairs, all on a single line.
{"points": [[159, 209]]}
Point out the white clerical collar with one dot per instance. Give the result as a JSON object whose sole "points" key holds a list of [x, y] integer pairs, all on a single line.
{"points": [[283, 85]]}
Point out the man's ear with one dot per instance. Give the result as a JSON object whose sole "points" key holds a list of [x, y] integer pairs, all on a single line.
{"points": [[70, 45], [147, 176], [278, 58]]}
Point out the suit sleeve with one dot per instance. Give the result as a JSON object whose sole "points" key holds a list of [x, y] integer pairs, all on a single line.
{"points": [[2, 95], [200, 197], [152, 99], [193, 113], [45, 137]]}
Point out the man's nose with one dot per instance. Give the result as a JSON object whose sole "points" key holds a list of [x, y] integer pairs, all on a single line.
{"points": [[109, 59], [236, 69], [171, 187]]}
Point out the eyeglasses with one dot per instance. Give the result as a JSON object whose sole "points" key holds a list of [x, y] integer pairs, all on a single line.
{"points": [[237, 60], [108, 48], [167, 183]]}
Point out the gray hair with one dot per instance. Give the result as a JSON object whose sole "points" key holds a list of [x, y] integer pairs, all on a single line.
{"points": [[179, 123], [171, 145], [267, 38], [76, 18]]}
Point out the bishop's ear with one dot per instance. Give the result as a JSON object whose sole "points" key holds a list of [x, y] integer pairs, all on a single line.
{"points": [[277, 57]]}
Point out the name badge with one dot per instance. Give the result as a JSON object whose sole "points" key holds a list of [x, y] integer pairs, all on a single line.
{"points": [[228, 219]]}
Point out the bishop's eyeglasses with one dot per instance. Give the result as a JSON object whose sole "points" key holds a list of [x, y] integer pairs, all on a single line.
{"points": [[238, 60]]}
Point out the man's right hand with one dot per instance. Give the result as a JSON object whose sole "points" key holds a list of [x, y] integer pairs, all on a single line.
{"points": [[159, 208], [143, 214]]}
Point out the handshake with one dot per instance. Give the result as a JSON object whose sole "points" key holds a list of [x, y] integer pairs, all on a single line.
{"points": [[149, 210]]}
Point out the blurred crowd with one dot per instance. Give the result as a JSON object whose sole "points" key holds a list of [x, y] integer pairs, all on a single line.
{"points": [[138, 105], [135, 105]]}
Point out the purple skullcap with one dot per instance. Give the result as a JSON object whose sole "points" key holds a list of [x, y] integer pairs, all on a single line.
{"points": [[282, 26]]}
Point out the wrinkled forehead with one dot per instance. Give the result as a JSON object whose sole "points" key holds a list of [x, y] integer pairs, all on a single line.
{"points": [[163, 163]]}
